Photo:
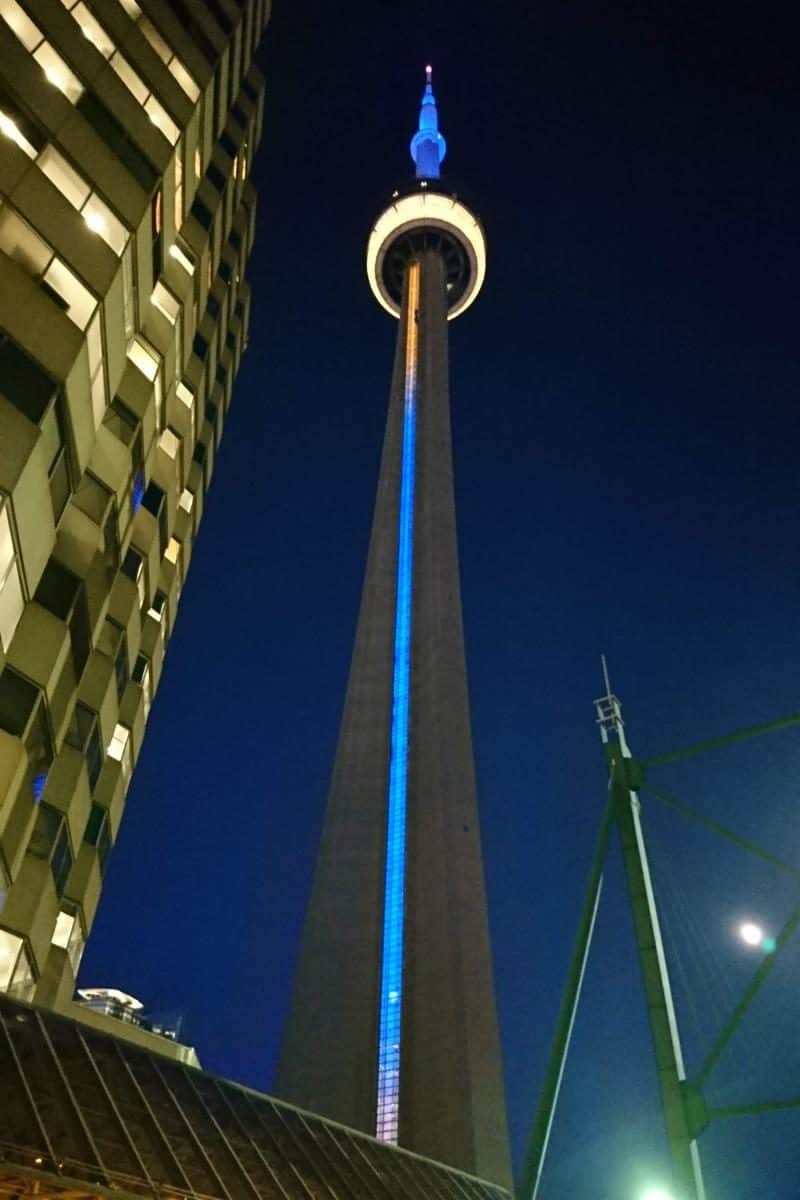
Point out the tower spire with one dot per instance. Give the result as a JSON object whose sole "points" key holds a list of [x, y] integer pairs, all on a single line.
{"points": [[428, 147]]}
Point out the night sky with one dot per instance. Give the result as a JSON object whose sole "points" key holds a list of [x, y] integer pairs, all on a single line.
{"points": [[626, 428]]}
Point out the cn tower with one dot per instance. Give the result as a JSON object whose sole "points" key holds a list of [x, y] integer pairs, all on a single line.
{"points": [[392, 1026]]}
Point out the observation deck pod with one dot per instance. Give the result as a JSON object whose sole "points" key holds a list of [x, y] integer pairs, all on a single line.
{"points": [[426, 217], [84, 1115]]}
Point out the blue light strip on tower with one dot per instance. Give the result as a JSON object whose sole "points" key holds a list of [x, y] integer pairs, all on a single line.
{"points": [[391, 996]]}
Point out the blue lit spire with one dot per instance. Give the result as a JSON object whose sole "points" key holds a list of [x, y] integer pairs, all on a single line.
{"points": [[428, 147]]}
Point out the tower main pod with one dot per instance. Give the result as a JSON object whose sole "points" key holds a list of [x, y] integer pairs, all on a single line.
{"points": [[393, 1026]]}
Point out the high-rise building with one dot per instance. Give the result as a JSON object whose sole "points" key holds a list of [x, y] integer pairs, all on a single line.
{"points": [[392, 1027], [127, 131]]}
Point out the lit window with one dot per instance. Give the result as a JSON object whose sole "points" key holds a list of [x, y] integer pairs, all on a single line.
{"points": [[93, 31], [133, 82], [10, 946], [178, 208], [184, 79], [182, 258], [78, 300], [173, 550], [143, 358], [166, 303], [68, 935], [186, 501], [119, 748], [155, 39], [161, 119], [72, 187], [100, 219], [58, 73], [184, 395], [12, 600], [65, 923], [16, 974], [118, 743], [11, 130], [20, 24], [20, 242], [169, 442], [131, 8]]}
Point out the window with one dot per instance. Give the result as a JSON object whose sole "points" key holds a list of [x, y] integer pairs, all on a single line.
{"points": [[155, 503], [113, 642], [178, 199], [133, 568], [200, 346], [68, 934], [113, 133], [235, 239], [157, 608], [12, 601], [167, 304], [98, 834], [212, 306], [148, 360], [54, 67], [156, 231], [16, 974], [173, 551], [20, 242], [25, 383], [228, 145], [63, 594], [199, 454], [15, 124], [170, 60], [95, 33], [74, 188], [50, 840], [83, 734], [249, 90], [119, 748], [182, 258], [128, 295], [215, 177], [93, 498], [23, 714], [201, 212], [186, 501], [141, 675], [239, 115], [57, 458], [97, 374]]}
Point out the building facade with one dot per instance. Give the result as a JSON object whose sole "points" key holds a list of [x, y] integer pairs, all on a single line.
{"points": [[127, 130], [392, 1027]]}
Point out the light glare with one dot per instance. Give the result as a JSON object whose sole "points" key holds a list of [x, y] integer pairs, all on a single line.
{"points": [[656, 1193], [751, 934]]}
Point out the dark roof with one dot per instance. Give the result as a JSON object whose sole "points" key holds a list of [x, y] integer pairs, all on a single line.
{"points": [[88, 1112]]}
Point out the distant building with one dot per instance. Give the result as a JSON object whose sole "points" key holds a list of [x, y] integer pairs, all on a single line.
{"points": [[142, 1027], [392, 1027], [127, 133]]}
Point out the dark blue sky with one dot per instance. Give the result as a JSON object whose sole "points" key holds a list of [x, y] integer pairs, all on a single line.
{"points": [[625, 409]]}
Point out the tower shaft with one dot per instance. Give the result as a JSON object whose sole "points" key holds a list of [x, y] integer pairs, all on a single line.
{"points": [[450, 1099]]}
